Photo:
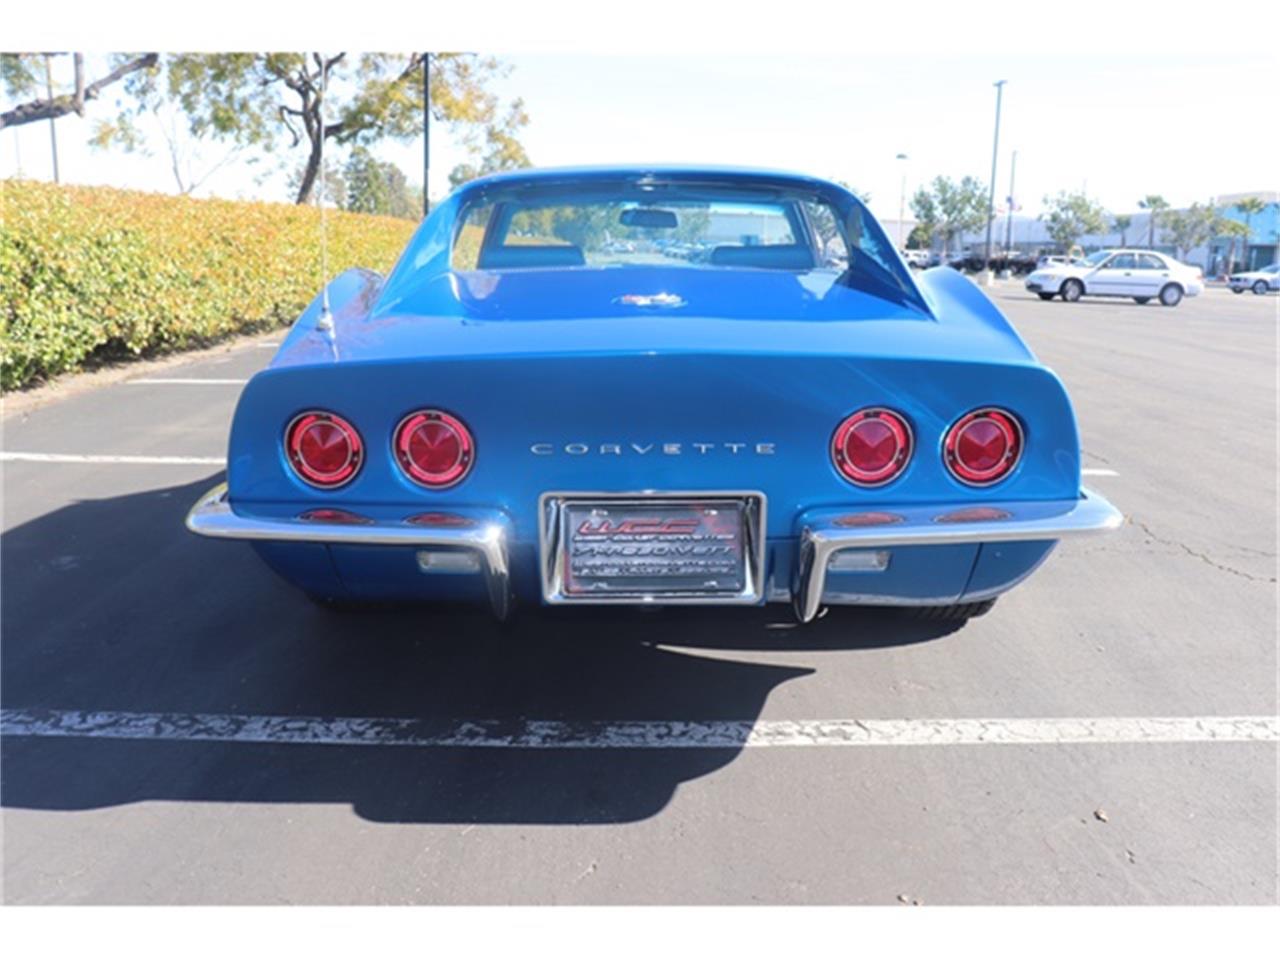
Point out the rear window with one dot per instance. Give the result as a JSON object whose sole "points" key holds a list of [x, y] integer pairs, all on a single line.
{"points": [[675, 225]]}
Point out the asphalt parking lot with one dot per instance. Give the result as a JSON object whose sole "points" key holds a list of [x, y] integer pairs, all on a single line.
{"points": [[159, 651]]}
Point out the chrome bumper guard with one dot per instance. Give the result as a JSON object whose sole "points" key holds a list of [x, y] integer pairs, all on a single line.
{"points": [[823, 533], [488, 536]]}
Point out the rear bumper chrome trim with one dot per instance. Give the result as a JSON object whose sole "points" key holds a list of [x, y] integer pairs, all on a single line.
{"points": [[825, 532], [489, 538]]}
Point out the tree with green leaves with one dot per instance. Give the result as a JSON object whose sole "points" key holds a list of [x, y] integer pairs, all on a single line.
{"points": [[24, 78], [1070, 216], [1249, 206], [920, 237], [1235, 232], [1121, 224], [375, 186], [1155, 205], [925, 209], [1190, 228], [301, 101], [948, 208]]}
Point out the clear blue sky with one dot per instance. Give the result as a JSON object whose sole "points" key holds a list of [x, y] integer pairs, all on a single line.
{"points": [[1120, 125]]}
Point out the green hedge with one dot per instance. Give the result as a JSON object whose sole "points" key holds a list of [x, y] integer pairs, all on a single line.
{"points": [[93, 270]]}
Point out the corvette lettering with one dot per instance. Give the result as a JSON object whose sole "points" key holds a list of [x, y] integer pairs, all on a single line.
{"points": [[651, 449]]}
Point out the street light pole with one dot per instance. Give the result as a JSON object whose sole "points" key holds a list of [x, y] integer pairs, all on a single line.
{"points": [[1008, 228], [991, 199], [902, 201], [53, 133], [426, 133]]}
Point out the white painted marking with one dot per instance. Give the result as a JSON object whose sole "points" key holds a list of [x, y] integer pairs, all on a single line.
{"points": [[632, 735], [1098, 472], [268, 344], [188, 381], [103, 458]]}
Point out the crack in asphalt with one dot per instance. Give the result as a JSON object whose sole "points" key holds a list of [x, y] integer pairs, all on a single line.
{"points": [[1198, 555]]}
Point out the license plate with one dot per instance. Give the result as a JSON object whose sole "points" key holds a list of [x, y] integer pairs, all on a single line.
{"points": [[654, 549]]}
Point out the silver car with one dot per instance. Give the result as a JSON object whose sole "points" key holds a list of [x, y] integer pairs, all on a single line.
{"points": [[1259, 281], [1141, 274]]}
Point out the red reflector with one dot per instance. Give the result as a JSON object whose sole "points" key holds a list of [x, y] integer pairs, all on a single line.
{"points": [[440, 520], [973, 515], [330, 515], [323, 449], [869, 519], [434, 448], [872, 446], [983, 447]]}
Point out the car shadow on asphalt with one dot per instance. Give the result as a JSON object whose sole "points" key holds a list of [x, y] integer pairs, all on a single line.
{"points": [[110, 605]]}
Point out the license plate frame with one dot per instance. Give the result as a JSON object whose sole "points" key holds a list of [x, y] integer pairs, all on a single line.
{"points": [[658, 520]]}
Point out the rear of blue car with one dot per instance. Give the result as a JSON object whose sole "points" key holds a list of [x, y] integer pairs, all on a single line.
{"points": [[675, 387]]}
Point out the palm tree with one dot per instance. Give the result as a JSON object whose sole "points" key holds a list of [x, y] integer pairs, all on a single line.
{"points": [[1233, 230], [1249, 207], [1122, 223], [1155, 203]]}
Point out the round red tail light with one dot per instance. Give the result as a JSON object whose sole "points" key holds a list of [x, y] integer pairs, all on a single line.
{"points": [[323, 449], [872, 446], [982, 447], [434, 448]]}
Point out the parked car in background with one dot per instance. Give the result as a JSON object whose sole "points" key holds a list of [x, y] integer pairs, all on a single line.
{"points": [[918, 259], [542, 417], [1057, 260], [1259, 281], [974, 260], [1141, 274]]}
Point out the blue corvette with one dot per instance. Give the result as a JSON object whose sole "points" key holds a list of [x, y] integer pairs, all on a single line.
{"points": [[654, 386]]}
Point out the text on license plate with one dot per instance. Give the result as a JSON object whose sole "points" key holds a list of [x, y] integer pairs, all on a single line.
{"points": [[654, 548]]}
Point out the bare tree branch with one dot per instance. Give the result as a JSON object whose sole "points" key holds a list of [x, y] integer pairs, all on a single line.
{"points": [[45, 109], [284, 118], [78, 58]]}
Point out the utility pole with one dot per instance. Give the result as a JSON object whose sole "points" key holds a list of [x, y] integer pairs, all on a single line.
{"points": [[426, 133], [53, 133], [991, 199], [902, 201], [1008, 230]]}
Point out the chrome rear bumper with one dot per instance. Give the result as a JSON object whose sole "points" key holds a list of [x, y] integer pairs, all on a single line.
{"points": [[487, 534], [824, 533]]}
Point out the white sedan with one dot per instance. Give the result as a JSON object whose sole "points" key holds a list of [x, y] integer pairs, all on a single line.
{"points": [[1259, 281], [1141, 274]]}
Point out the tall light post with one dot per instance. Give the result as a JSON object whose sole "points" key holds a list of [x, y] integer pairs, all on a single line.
{"points": [[1008, 227], [991, 198], [426, 132], [902, 200], [53, 133]]}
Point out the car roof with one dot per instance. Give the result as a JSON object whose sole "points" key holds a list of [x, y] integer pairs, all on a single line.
{"points": [[660, 171]]}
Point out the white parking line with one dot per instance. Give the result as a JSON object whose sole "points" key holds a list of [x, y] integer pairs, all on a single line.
{"points": [[1098, 472], [632, 735], [188, 381], [104, 458]]}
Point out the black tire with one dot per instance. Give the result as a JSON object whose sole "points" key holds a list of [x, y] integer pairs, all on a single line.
{"points": [[1141, 299], [1072, 290], [1046, 296], [954, 611], [1170, 295], [1260, 287], [1237, 289]]}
